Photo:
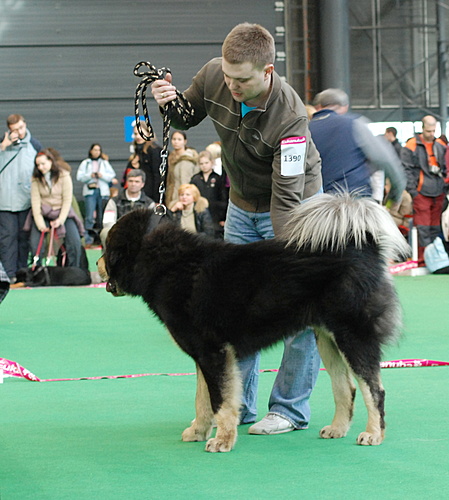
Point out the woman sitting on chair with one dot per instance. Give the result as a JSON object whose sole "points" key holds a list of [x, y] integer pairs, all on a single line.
{"points": [[51, 206]]}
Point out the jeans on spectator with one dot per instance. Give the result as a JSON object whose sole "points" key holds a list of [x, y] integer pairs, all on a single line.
{"points": [[14, 241], [300, 363], [92, 203]]}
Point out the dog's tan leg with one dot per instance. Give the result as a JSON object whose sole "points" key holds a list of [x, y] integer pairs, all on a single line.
{"points": [[227, 416], [342, 386], [201, 427], [374, 398]]}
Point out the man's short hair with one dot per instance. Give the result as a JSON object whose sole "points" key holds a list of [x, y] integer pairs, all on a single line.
{"points": [[392, 130], [136, 172], [249, 43], [331, 97], [13, 119]]}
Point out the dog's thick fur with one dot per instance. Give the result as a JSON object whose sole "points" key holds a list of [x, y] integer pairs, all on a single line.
{"points": [[222, 302]]}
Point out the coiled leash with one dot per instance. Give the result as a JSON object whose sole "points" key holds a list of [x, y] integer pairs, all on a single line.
{"points": [[180, 105]]}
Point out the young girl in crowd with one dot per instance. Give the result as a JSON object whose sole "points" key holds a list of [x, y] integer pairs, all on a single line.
{"points": [[182, 165], [191, 211], [211, 186], [51, 206], [96, 173], [214, 149]]}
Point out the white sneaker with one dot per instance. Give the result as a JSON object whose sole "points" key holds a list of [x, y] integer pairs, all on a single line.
{"points": [[272, 424]]}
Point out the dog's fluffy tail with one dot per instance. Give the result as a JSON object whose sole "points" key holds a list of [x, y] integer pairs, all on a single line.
{"points": [[331, 222]]}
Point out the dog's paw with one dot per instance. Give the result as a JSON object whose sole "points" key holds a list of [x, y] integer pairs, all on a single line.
{"points": [[330, 432], [369, 439], [193, 433], [215, 445]]}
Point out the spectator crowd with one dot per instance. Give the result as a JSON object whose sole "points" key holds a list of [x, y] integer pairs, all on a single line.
{"points": [[39, 213]]}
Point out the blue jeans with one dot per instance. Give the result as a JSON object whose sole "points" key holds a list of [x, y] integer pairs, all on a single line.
{"points": [[300, 363], [93, 202]]}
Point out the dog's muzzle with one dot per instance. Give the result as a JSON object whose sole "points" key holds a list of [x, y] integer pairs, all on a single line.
{"points": [[111, 286], [101, 266]]}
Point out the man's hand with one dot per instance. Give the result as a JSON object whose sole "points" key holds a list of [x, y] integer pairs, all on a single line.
{"points": [[7, 141], [163, 91]]}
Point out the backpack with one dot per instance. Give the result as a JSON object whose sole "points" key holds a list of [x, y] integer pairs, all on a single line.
{"points": [[436, 257], [445, 220]]}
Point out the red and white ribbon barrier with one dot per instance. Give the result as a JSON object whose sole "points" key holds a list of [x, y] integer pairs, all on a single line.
{"points": [[403, 266], [12, 369]]}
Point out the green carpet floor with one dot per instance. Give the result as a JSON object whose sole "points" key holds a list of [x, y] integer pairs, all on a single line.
{"points": [[120, 439]]}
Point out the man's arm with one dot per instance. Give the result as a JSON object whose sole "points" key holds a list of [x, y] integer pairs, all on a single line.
{"points": [[110, 214], [411, 170], [382, 156], [288, 191]]}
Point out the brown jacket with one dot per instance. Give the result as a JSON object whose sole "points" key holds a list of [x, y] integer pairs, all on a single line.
{"points": [[58, 197], [251, 146]]}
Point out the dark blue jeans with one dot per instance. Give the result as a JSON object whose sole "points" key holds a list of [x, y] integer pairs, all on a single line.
{"points": [[93, 203]]}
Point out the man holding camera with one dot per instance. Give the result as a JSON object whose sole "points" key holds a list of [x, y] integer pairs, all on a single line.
{"points": [[424, 164], [17, 153]]}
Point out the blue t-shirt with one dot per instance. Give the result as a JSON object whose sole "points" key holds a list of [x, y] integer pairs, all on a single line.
{"points": [[246, 109]]}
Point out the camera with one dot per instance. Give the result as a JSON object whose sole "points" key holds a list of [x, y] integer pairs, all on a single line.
{"points": [[434, 169], [15, 141]]}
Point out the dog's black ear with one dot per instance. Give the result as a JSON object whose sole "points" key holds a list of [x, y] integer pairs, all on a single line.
{"points": [[113, 258]]}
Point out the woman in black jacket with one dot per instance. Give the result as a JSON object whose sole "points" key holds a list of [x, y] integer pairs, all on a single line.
{"points": [[191, 211]]}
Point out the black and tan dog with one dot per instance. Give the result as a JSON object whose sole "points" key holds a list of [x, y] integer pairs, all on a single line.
{"points": [[329, 272]]}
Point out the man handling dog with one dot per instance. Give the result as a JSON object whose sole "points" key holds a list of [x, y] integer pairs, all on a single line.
{"points": [[273, 166]]}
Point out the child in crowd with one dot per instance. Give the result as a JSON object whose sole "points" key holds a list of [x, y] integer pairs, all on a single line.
{"points": [[211, 186], [214, 149]]}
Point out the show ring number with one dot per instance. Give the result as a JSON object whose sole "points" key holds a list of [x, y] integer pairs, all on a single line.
{"points": [[293, 152]]}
